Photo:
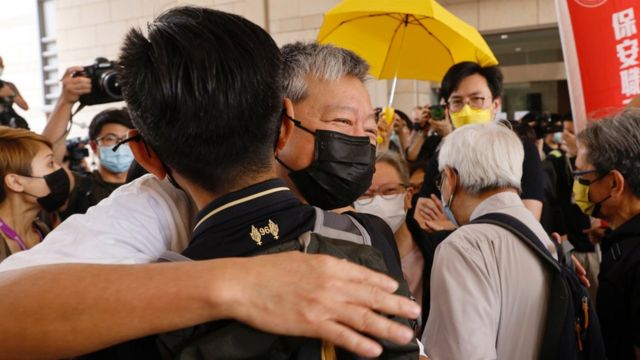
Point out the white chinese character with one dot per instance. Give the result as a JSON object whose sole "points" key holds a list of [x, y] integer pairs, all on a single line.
{"points": [[628, 52], [624, 23], [630, 81]]}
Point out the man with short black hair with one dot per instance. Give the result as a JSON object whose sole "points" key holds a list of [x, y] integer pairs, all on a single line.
{"points": [[472, 94], [225, 159], [106, 129]]}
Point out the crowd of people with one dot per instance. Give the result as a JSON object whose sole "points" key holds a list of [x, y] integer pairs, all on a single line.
{"points": [[238, 176]]}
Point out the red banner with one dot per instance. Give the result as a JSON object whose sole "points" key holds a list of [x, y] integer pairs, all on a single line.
{"points": [[600, 41]]}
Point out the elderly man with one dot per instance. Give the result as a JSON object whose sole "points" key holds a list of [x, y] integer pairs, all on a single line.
{"points": [[489, 290], [607, 186], [141, 221]]}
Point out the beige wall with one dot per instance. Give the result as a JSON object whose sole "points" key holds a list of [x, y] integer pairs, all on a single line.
{"points": [[90, 28], [501, 15]]}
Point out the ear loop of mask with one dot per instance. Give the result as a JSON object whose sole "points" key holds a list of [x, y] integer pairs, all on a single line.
{"points": [[453, 190], [298, 124], [33, 177]]}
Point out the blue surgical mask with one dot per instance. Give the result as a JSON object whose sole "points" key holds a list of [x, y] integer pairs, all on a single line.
{"points": [[447, 209], [448, 212], [116, 161], [557, 138]]}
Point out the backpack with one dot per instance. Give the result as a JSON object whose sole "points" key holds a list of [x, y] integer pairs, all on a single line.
{"points": [[338, 235], [572, 329]]}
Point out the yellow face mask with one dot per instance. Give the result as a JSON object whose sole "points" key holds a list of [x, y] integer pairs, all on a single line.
{"points": [[467, 116], [581, 197]]}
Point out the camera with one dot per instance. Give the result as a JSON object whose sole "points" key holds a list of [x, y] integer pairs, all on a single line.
{"points": [[543, 124], [437, 112], [76, 151], [105, 87]]}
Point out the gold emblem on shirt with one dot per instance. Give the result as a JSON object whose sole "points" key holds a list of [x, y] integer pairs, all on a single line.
{"points": [[257, 233]]}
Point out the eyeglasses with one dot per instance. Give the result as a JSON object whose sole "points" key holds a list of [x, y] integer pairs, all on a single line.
{"points": [[577, 175], [440, 179], [110, 140], [456, 104], [387, 191]]}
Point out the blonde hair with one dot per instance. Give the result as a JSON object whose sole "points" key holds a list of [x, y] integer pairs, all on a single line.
{"points": [[18, 147]]}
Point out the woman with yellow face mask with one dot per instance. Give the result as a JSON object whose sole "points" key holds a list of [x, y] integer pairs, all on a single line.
{"points": [[472, 95]]}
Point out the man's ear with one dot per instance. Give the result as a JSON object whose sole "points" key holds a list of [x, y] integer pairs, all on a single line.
{"points": [[145, 156], [496, 105], [452, 178], [286, 125], [407, 198], [14, 182], [617, 184]]}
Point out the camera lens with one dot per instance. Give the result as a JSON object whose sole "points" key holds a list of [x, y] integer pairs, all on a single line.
{"points": [[110, 85]]}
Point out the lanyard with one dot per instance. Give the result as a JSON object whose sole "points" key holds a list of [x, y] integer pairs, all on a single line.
{"points": [[7, 230]]}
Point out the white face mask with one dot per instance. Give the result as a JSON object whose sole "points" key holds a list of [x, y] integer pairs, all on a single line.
{"points": [[390, 210]]}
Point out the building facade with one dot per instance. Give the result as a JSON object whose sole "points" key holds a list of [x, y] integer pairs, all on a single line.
{"points": [[41, 38]]}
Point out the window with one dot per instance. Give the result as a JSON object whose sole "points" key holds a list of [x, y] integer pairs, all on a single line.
{"points": [[48, 52]]}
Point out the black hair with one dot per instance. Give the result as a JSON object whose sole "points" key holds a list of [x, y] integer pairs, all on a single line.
{"points": [[403, 116], [205, 92], [525, 131], [529, 117], [463, 70], [109, 116]]}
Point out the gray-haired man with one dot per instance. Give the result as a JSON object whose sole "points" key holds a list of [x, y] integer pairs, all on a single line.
{"points": [[163, 213]]}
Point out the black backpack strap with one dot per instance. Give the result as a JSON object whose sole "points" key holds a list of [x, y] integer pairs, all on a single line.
{"points": [[522, 231], [552, 341]]}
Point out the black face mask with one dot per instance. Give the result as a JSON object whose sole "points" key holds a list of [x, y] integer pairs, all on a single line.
{"points": [[341, 170], [58, 183]]}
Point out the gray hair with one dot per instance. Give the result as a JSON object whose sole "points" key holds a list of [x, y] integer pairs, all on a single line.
{"points": [[397, 162], [613, 143], [486, 157], [319, 62]]}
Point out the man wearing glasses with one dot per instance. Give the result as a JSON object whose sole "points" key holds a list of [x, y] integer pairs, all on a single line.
{"points": [[607, 186], [106, 129], [473, 95]]}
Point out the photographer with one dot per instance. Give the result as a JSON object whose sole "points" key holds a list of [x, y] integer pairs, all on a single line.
{"points": [[9, 94], [106, 129], [429, 131]]}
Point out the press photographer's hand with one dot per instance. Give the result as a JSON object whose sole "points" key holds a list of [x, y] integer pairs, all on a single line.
{"points": [[74, 85]]}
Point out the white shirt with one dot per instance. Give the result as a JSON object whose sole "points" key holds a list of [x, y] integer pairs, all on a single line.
{"points": [[488, 290], [134, 225]]}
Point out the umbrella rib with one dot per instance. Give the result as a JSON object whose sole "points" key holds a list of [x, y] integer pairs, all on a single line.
{"points": [[435, 37], [386, 58], [353, 19]]}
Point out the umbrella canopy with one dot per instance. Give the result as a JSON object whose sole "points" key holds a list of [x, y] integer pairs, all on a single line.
{"points": [[410, 39]]}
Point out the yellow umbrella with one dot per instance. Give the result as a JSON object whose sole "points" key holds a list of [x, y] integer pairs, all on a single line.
{"points": [[410, 39]]}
